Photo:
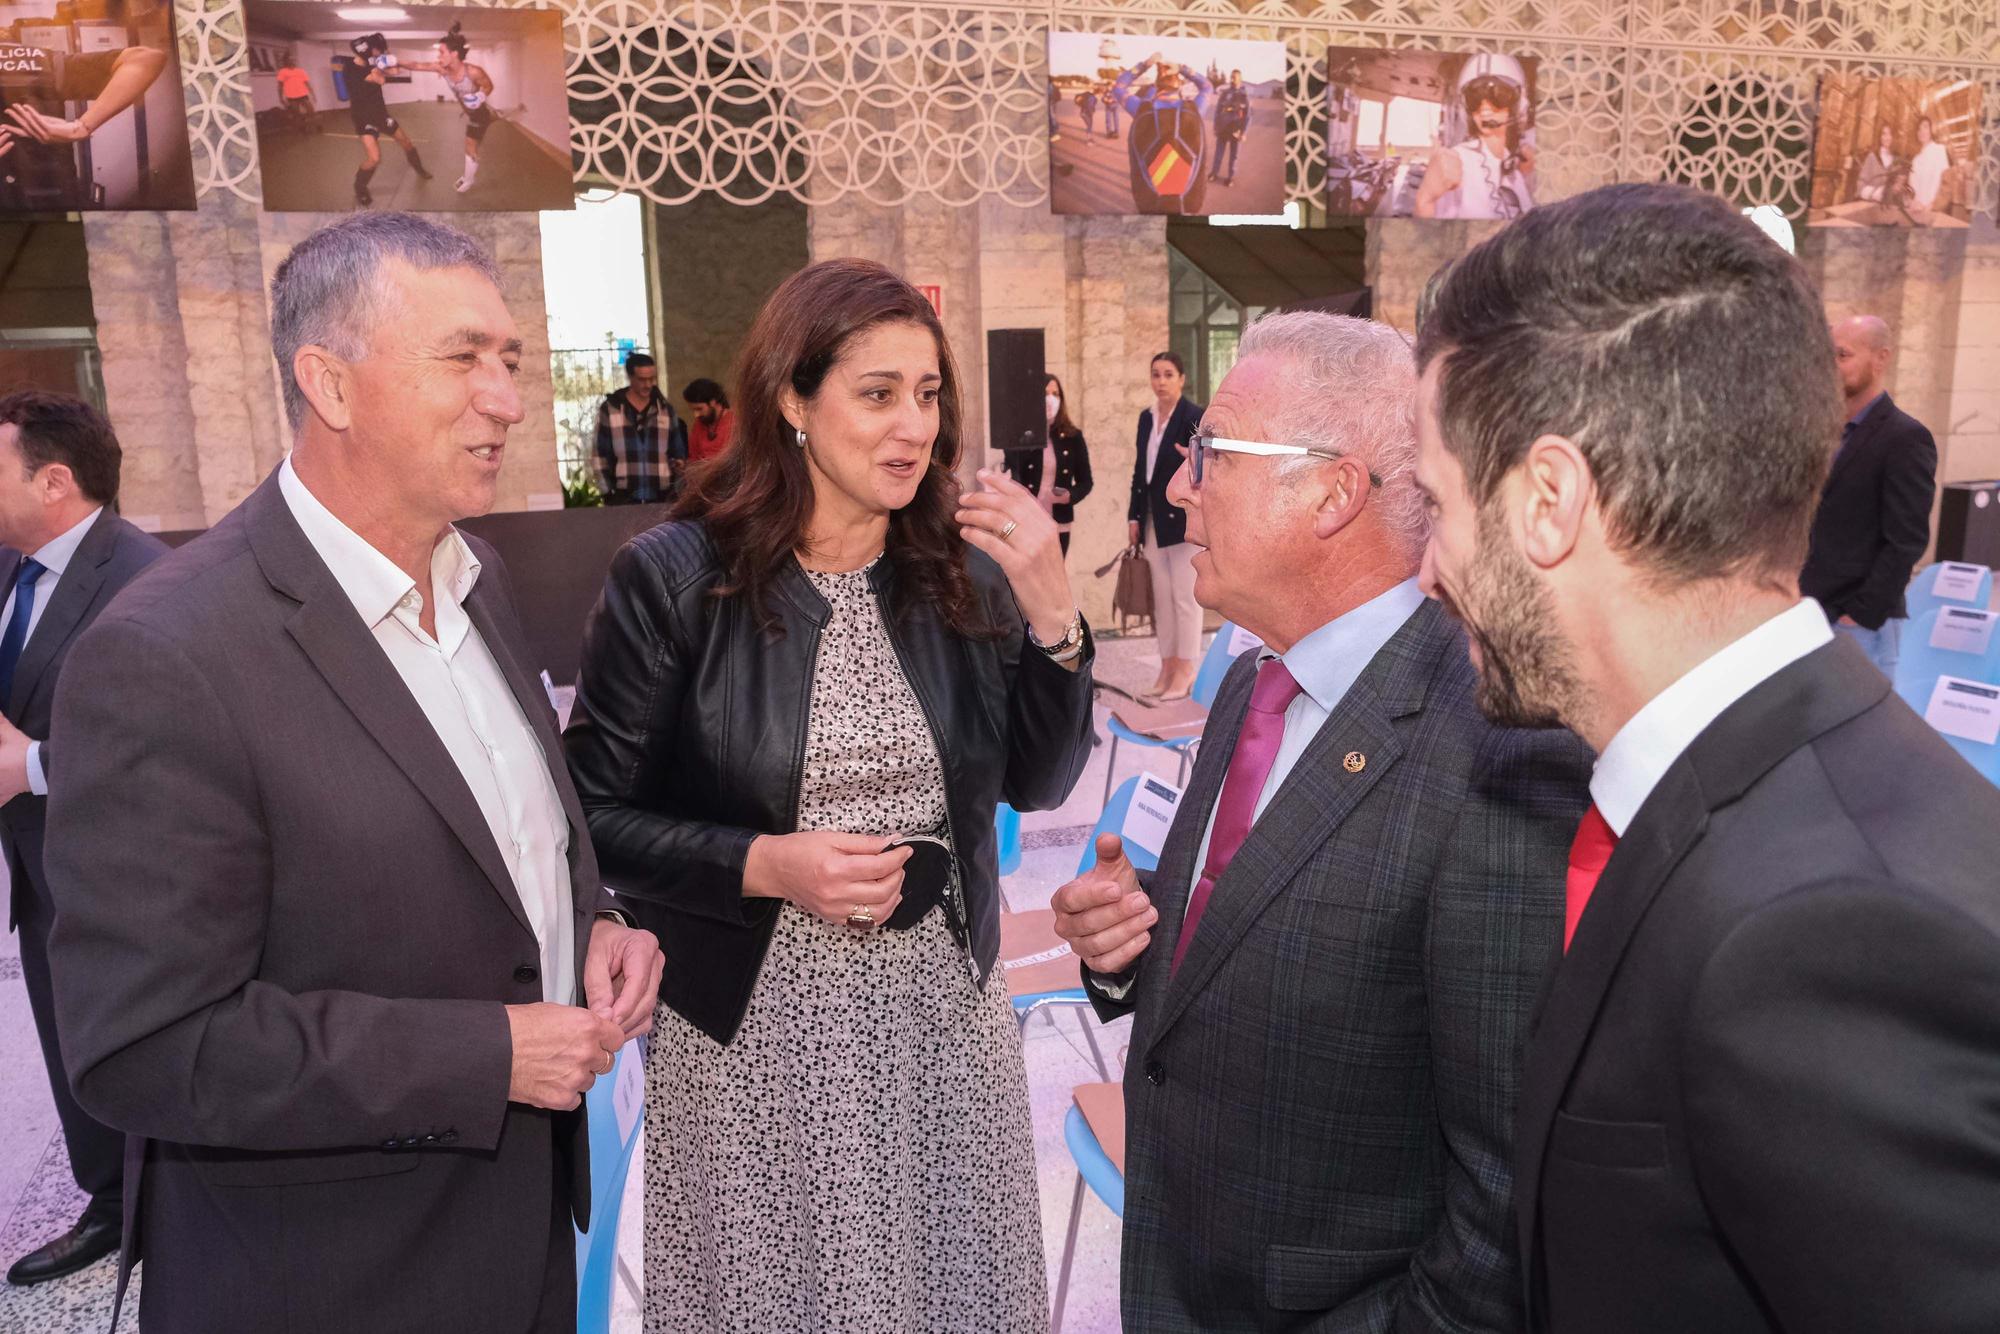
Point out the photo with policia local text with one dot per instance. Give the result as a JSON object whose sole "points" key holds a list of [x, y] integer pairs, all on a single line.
{"points": [[1187, 125], [424, 108], [1429, 134], [91, 112]]}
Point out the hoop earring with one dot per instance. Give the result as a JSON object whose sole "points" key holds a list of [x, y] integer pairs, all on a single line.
{"points": [[802, 439]]}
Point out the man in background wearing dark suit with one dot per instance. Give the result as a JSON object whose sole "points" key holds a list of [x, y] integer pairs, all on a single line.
{"points": [[65, 555], [1761, 1091], [1333, 965], [327, 918], [1874, 518]]}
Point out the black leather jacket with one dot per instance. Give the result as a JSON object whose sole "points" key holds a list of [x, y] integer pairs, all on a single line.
{"points": [[688, 740]]}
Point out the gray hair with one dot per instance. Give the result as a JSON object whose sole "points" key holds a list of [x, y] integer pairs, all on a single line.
{"points": [[328, 291], [1352, 387]]}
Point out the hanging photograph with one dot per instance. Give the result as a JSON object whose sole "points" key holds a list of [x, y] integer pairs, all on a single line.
{"points": [[421, 107], [1429, 134], [1894, 152], [91, 113], [1187, 125]]}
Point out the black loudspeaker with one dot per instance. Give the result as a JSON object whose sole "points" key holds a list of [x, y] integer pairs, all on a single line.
{"points": [[1969, 523], [1016, 375]]}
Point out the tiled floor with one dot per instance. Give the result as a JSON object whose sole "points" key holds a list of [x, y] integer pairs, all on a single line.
{"points": [[38, 1199]]}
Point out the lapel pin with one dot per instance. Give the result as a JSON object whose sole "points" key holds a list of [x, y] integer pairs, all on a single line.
{"points": [[1355, 761]]}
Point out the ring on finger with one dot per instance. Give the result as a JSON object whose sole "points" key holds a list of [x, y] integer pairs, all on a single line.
{"points": [[861, 917], [1008, 530]]}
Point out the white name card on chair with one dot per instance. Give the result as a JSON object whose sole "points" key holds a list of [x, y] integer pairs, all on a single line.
{"points": [[1241, 641], [1963, 630], [1151, 813], [1957, 581], [1966, 709]]}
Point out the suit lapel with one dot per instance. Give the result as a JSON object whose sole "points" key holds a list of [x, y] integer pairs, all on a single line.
{"points": [[75, 593], [355, 668]]}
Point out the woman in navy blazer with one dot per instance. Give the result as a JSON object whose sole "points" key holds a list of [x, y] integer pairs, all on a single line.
{"points": [[1160, 527]]}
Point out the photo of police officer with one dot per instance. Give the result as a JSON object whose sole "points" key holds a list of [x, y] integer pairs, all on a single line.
{"points": [[91, 113], [487, 84], [1202, 123]]}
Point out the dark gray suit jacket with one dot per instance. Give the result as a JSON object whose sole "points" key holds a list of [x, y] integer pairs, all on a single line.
{"points": [[1764, 1092], [111, 553], [284, 936], [1320, 1102]]}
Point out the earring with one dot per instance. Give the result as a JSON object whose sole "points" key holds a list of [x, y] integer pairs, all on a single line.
{"points": [[802, 439]]}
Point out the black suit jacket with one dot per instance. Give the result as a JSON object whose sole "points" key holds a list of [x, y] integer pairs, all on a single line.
{"points": [[284, 939], [1150, 506], [1764, 1092], [111, 553], [1874, 518], [1320, 1100], [1072, 472]]}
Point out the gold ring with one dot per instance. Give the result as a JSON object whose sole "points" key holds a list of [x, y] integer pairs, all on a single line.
{"points": [[861, 918], [1008, 531]]}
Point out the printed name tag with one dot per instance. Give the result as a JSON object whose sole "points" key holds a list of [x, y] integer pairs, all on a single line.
{"points": [[1046, 956], [1963, 630], [1241, 641], [1958, 581], [1965, 709], [1151, 814]]}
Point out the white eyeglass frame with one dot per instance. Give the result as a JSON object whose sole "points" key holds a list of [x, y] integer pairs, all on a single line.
{"points": [[1262, 448]]}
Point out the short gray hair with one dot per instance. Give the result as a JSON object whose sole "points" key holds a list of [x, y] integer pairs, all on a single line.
{"points": [[327, 292], [1352, 386]]}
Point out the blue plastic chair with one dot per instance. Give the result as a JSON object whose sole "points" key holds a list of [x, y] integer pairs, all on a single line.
{"points": [[1007, 837], [610, 1163], [1921, 596], [1110, 822], [1207, 682], [1095, 1169], [1918, 667]]}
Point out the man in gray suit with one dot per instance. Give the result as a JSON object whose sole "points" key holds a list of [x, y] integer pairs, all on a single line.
{"points": [[1333, 965], [325, 907], [66, 555]]}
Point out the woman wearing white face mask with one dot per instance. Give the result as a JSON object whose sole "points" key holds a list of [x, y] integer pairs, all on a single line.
{"points": [[1059, 475]]}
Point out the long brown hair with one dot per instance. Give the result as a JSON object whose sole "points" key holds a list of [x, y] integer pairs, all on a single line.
{"points": [[756, 499], [1063, 425]]}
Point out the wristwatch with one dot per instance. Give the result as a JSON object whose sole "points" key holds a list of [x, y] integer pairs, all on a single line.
{"points": [[1066, 648]]}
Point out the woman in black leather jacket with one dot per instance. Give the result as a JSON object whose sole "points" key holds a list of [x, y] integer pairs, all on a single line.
{"points": [[805, 663]]}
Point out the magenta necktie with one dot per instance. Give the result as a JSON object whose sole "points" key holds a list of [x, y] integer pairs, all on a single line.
{"points": [[1250, 764]]}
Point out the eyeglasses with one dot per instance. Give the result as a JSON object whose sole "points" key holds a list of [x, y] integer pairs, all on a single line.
{"points": [[1202, 446]]}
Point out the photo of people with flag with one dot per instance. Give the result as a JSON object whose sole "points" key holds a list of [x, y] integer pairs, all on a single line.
{"points": [[1191, 125]]}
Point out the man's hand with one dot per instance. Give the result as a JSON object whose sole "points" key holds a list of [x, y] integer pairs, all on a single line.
{"points": [[559, 1051], [14, 745], [621, 975], [1103, 914]]}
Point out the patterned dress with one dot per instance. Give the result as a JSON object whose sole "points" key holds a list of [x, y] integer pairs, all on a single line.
{"points": [[859, 1159]]}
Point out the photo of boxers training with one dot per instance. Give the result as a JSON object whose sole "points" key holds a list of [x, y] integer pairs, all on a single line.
{"points": [[1895, 152], [424, 108], [1182, 125], [1429, 134], [91, 113]]}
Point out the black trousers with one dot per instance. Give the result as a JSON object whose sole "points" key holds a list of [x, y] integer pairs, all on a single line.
{"points": [[96, 1151]]}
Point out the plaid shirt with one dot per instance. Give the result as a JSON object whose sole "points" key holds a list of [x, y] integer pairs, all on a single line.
{"points": [[636, 446]]}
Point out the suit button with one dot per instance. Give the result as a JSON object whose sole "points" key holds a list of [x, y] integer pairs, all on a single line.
{"points": [[410, 1143], [1156, 1074], [391, 1144], [430, 1139], [449, 1137], [527, 972]]}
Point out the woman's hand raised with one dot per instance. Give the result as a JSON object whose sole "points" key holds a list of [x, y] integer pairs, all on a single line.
{"points": [[1008, 523]]}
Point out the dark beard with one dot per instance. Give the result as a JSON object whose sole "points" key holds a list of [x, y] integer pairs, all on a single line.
{"points": [[1525, 676]]}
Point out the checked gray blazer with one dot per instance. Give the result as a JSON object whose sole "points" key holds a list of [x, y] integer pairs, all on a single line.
{"points": [[1320, 1102]]}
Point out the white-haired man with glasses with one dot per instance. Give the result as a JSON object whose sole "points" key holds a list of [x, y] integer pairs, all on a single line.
{"points": [[1332, 968]]}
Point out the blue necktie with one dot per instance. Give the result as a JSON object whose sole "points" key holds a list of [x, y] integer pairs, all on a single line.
{"points": [[16, 637]]}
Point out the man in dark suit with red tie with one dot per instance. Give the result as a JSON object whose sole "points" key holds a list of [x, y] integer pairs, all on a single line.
{"points": [[66, 555], [1762, 1092]]}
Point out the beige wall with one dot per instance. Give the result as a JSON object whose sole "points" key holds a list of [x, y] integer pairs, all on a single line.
{"points": [[183, 327]]}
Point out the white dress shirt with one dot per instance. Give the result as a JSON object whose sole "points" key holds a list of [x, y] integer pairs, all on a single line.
{"points": [[54, 557], [1657, 735], [469, 704]]}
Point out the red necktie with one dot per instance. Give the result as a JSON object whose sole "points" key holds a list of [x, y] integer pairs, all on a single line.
{"points": [[1249, 765], [1588, 855]]}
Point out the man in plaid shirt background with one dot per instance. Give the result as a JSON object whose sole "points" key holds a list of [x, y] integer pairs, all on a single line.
{"points": [[639, 439]]}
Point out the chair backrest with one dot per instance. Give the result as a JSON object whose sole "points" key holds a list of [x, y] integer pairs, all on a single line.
{"points": [[1966, 585], [1111, 822], [1921, 662], [1007, 837], [616, 1104], [1229, 641]]}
